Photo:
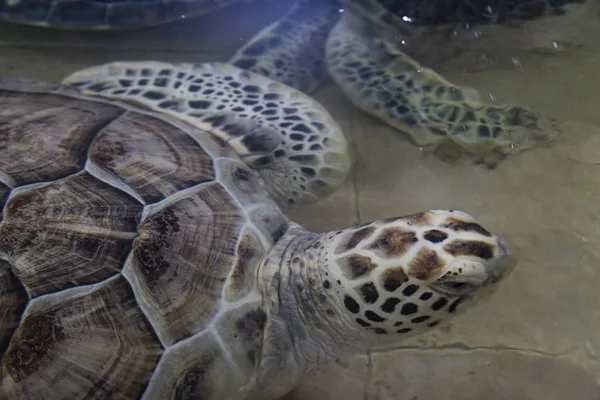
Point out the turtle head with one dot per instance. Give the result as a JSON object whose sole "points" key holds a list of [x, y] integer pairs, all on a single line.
{"points": [[395, 278]]}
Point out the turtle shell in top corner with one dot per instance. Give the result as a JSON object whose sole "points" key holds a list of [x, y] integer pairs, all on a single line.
{"points": [[124, 237], [105, 14]]}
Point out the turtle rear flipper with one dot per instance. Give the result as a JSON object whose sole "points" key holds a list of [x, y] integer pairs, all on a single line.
{"points": [[292, 49], [378, 77]]}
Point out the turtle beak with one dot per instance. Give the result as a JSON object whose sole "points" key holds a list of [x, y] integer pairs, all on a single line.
{"points": [[505, 262], [503, 246]]}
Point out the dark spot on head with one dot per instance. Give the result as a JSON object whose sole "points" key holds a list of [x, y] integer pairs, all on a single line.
{"points": [[455, 304], [326, 284], [404, 330], [470, 248], [439, 304], [409, 309], [371, 316], [394, 242], [433, 324], [420, 319], [420, 219], [369, 293], [458, 225], [389, 306], [410, 290], [351, 305], [435, 236], [356, 266], [362, 322], [425, 264], [394, 278], [426, 296], [356, 237], [380, 331]]}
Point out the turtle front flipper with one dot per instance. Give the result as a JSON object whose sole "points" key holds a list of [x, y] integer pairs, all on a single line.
{"points": [[378, 77], [292, 49], [289, 138]]}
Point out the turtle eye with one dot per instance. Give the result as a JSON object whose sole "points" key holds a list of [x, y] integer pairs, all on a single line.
{"points": [[457, 287], [454, 285]]}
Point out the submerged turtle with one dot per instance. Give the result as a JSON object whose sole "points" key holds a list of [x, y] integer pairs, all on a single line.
{"points": [[360, 49], [143, 253]]}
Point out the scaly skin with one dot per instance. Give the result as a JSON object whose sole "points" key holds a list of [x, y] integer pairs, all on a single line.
{"points": [[338, 294]]}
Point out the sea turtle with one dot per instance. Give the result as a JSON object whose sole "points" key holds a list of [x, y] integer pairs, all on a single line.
{"points": [[360, 47], [143, 254]]}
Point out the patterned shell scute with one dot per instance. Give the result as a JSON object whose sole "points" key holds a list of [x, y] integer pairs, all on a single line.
{"points": [[183, 257], [150, 156], [66, 342], [74, 231], [127, 239], [45, 136]]}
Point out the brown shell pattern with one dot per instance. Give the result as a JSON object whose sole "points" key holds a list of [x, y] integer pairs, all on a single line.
{"points": [[129, 244]]}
